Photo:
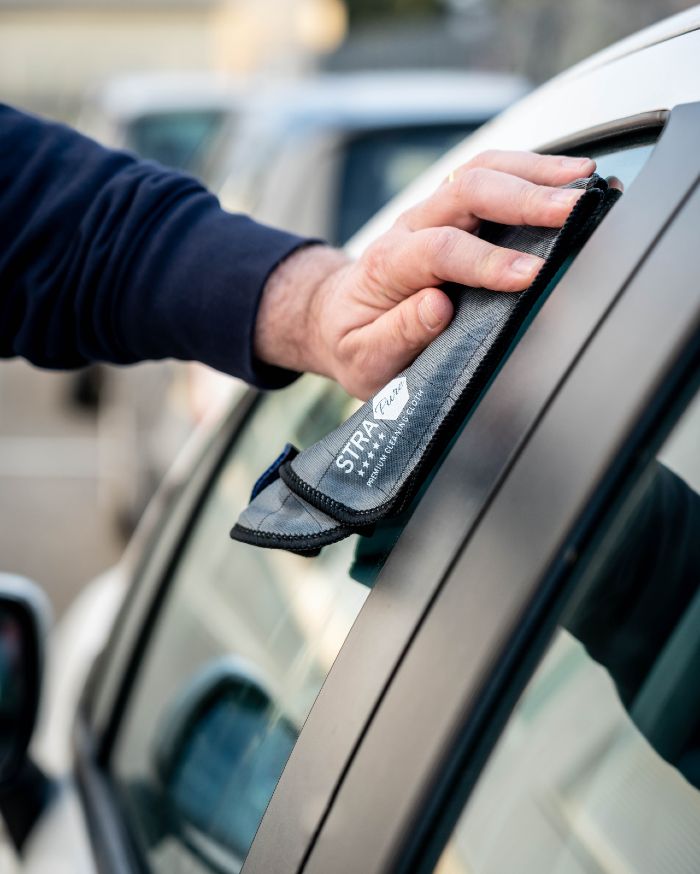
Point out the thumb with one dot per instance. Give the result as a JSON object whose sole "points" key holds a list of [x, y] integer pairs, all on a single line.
{"points": [[401, 333]]}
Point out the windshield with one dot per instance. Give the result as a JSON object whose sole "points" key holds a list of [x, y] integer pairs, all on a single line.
{"points": [[176, 139]]}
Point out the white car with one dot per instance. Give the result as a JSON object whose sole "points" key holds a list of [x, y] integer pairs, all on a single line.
{"points": [[173, 118], [321, 155], [503, 678]]}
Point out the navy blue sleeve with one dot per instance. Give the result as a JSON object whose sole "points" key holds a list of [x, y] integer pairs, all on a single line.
{"points": [[107, 258]]}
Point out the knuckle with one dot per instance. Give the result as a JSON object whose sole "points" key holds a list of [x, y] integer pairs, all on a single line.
{"points": [[439, 245], [544, 164], [532, 198], [358, 366], [484, 189], [409, 333], [375, 259], [403, 325], [487, 158], [403, 222], [494, 268], [471, 183]]}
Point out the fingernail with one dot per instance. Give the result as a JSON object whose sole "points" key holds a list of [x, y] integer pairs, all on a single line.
{"points": [[427, 314], [575, 162], [524, 265], [566, 196]]}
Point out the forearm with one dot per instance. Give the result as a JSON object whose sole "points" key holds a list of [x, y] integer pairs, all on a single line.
{"points": [[108, 258], [287, 332]]}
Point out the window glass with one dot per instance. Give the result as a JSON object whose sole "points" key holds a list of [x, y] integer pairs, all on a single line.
{"points": [[598, 769], [175, 139], [235, 660], [624, 163]]}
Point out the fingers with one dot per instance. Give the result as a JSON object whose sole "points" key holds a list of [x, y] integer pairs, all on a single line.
{"points": [[540, 169], [429, 257], [480, 193], [402, 333], [397, 307]]}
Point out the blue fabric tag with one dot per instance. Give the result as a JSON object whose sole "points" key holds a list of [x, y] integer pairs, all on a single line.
{"points": [[273, 471]]}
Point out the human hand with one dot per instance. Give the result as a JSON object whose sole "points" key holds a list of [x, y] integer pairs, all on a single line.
{"points": [[362, 322]]}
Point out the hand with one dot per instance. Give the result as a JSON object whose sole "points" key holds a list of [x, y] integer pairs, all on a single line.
{"points": [[362, 322]]}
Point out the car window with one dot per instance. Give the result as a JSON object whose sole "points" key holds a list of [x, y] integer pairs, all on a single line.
{"points": [[234, 662], [624, 163], [376, 165], [175, 139], [598, 769]]}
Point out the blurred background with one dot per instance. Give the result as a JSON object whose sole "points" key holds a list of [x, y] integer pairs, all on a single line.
{"points": [[309, 113]]}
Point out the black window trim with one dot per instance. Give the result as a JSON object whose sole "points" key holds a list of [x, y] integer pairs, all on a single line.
{"points": [[520, 604]]}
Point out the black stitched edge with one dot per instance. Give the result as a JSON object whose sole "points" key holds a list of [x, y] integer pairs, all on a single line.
{"points": [[584, 218], [304, 544]]}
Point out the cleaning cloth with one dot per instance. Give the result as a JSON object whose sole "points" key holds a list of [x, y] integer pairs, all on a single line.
{"points": [[370, 467]]}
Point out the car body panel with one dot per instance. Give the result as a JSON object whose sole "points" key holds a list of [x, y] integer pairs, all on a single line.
{"points": [[568, 110]]}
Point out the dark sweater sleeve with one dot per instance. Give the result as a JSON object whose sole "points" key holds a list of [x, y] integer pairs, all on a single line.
{"points": [[107, 258]]}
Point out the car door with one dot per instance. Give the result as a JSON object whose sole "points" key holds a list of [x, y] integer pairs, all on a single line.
{"points": [[132, 764], [539, 645]]}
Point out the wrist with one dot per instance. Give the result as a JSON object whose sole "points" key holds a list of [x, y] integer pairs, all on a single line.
{"points": [[289, 329]]}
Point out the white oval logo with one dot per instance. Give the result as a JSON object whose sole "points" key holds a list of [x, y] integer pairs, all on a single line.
{"points": [[389, 403]]}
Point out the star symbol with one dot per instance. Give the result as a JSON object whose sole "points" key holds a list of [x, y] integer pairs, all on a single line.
{"points": [[376, 445], [365, 464], [371, 454], [360, 473], [381, 436]]}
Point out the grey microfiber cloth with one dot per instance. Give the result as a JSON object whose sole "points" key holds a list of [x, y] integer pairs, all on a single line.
{"points": [[370, 467]]}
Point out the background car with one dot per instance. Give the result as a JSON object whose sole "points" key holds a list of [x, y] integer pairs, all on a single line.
{"points": [[172, 118], [320, 156], [503, 678]]}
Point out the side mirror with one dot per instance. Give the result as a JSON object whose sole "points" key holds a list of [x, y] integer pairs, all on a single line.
{"points": [[24, 621], [219, 754]]}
